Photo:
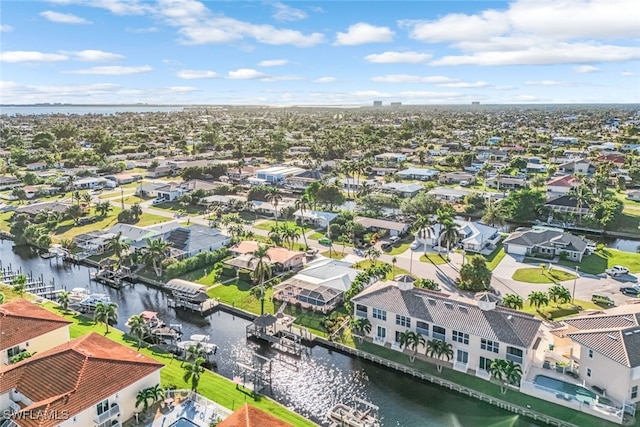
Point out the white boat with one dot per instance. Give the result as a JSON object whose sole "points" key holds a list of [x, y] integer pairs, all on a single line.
{"points": [[78, 294], [90, 303], [152, 320], [199, 340], [347, 416]]}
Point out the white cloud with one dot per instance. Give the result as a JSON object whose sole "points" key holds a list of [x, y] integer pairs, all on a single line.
{"points": [[407, 78], [273, 62], [464, 84], [584, 69], [144, 30], [362, 33], [281, 78], [627, 74], [63, 18], [92, 55], [287, 13], [21, 93], [196, 74], [398, 57], [245, 74], [117, 7], [325, 80], [114, 70], [31, 56], [181, 89], [5, 28], [534, 32], [546, 83]]}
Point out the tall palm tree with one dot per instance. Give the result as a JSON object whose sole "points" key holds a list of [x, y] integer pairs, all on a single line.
{"points": [[136, 210], [138, 328], [361, 326], [119, 245], [106, 313], [393, 265], [63, 300], [373, 254], [538, 299], [411, 340], [194, 351], [449, 234], [262, 271], [143, 397], [303, 204], [493, 214], [497, 369], [513, 372], [438, 349], [513, 301], [192, 373], [274, 196], [156, 253], [558, 293], [582, 195], [157, 392]]}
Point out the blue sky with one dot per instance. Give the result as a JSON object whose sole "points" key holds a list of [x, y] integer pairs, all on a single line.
{"points": [[319, 53]]}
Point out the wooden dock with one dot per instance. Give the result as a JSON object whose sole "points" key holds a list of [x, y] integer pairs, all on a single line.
{"points": [[204, 308], [112, 278]]}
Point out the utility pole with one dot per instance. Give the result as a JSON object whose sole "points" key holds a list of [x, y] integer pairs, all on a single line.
{"points": [[122, 197], [573, 294]]}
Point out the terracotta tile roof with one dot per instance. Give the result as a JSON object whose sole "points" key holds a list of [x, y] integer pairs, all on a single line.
{"points": [[75, 376], [21, 320], [250, 416], [563, 181], [276, 253]]}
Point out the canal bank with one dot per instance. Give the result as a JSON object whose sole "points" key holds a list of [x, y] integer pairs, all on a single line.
{"points": [[310, 386]]}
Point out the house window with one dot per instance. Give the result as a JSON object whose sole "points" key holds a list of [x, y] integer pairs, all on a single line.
{"points": [[634, 391], [382, 333], [489, 345], [361, 310], [590, 354], [439, 333], [403, 321], [379, 314], [485, 363], [461, 337], [13, 351], [103, 406], [514, 354], [398, 334], [422, 328], [589, 372], [462, 357]]}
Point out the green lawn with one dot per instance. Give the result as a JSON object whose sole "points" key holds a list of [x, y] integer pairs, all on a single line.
{"points": [[237, 295], [537, 275], [363, 265], [268, 223], [487, 387], [212, 386], [10, 294], [628, 222], [495, 257], [116, 194], [204, 276], [132, 199], [151, 219], [401, 248], [317, 235], [602, 259], [433, 258], [555, 311], [5, 218], [67, 229], [333, 254], [177, 207]]}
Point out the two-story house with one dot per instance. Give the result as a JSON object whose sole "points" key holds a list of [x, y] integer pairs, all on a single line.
{"points": [[28, 327], [89, 381], [479, 331]]}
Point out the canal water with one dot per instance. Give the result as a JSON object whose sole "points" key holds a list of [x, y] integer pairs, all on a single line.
{"points": [[321, 379]]}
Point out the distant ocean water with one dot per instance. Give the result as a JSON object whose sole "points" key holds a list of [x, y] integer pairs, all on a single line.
{"points": [[84, 109]]}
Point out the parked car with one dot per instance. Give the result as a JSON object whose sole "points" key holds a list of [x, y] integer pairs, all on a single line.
{"points": [[602, 299], [414, 246], [394, 239], [630, 290], [385, 246], [616, 270], [464, 183], [325, 241]]}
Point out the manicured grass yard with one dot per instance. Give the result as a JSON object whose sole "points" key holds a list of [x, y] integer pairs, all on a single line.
{"points": [[494, 258], [150, 219], [177, 207], [212, 386], [238, 294], [434, 258], [317, 235], [363, 265], [67, 229], [602, 259], [334, 254], [537, 275], [5, 217], [558, 311], [268, 223], [401, 248]]}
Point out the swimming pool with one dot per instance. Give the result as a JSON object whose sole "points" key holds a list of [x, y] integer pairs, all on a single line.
{"points": [[183, 422], [572, 390]]}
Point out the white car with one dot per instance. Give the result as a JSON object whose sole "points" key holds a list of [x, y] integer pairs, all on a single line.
{"points": [[414, 246], [616, 270]]}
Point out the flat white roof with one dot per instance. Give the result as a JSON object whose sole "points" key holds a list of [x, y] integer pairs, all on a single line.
{"points": [[281, 170]]}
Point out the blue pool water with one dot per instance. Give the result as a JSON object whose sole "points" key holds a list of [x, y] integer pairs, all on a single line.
{"points": [[573, 390], [183, 422]]}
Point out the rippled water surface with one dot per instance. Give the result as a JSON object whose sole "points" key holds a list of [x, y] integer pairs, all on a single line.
{"points": [[309, 385]]}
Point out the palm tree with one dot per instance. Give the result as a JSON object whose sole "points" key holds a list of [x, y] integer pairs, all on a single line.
{"points": [[63, 299], [1, 298], [19, 283], [513, 301], [373, 254], [77, 197], [559, 293], [361, 326], [513, 372], [262, 270], [157, 392], [582, 195], [194, 351], [118, 245], [538, 299], [493, 214], [106, 313], [103, 208], [303, 204], [136, 210], [138, 328], [74, 212], [449, 233], [156, 253], [275, 235], [411, 340], [274, 196], [192, 373], [497, 369], [393, 265], [68, 244], [439, 349], [143, 397]]}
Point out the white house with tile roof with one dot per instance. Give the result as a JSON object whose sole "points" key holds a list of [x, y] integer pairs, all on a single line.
{"points": [[479, 331]]}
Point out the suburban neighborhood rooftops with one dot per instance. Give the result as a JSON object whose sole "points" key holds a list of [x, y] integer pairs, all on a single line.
{"points": [[21, 320], [380, 223], [547, 238], [74, 376], [562, 181], [36, 208], [499, 324]]}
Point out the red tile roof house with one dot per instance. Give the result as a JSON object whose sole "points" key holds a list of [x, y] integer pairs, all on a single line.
{"points": [[562, 184], [89, 381], [25, 326], [250, 416]]}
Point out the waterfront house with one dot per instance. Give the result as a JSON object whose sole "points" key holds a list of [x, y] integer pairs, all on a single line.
{"points": [[546, 243], [473, 236], [422, 174], [394, 228], [281, 258], [320, 286], [479, 331], [189, 241], [250, 416], [35, 208], [89, 381], [562, 184], [401, 189], [28, 327], [567, 203]]}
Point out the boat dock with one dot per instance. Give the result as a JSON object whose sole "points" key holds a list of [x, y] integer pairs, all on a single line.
{"points": [[33, 285], [112, 278], [278, 332], [190, 296], [364, 414]]}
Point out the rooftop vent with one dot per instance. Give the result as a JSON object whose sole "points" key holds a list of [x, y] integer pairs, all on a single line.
{"points": [[448, 304], [432, 300], [463, 307], [613, 337], [636, 331], [628, 319], [509, 317], [628, 333]]}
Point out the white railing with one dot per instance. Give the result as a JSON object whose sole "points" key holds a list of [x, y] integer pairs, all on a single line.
{"points": [[113, 411], [460, 366], [481, 373], [218, 411]]}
